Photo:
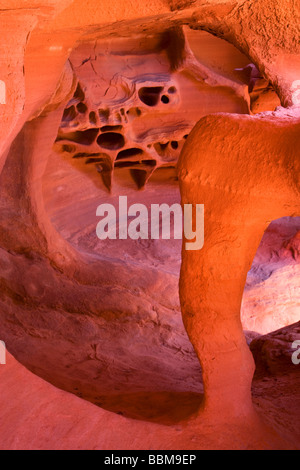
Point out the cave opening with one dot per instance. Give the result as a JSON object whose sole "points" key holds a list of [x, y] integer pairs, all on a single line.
{"points": [[149, 105], [150, 95], [111, 140], [162, 114]]}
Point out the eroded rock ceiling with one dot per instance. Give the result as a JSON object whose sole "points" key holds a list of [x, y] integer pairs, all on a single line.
{"points": [[101, 99], [137, 99]]}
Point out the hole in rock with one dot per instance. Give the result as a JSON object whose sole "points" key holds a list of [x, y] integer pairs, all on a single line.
{"points": [[172, 90], [80, 137], [111, 141], [104, 114], [81, 108], [111, 128], [134, 112], [68, 148], [93, 160], [86, 155], [140, 177], [165, 99], [69, 114], [149, 162], [93, 117], [173, 42], [174, 144], [150, 95], [161, 148], [127, 153], [120, 164]]}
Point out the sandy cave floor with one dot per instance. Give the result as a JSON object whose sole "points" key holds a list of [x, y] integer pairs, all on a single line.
{"points": [[275, 398]]}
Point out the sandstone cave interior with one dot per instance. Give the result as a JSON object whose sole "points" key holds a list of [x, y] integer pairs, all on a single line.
{"points": [[137, 344]]}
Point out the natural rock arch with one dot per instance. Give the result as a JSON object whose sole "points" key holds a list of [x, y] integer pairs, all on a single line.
{"points": [[28, 238], [241, 196]]}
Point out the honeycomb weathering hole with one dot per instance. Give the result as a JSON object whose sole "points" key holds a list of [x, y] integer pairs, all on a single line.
{"points": [[122, 164], [111, 128], [93, 160], [150, 95], [93, 117], [127, 153], [87, 155], [149, 162], [80, 137], [68, 148], [139, 177], [104, 114], [111, 141], [161, 148], [69, 114], [82, 108], [134, 112]]}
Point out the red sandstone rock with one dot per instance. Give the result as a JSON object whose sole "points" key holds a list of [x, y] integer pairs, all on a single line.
{"points": [[39, 416], [102, 320], [273, 352]]}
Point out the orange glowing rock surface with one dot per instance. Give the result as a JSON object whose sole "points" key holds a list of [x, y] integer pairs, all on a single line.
{"points": [[140, 344]]}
